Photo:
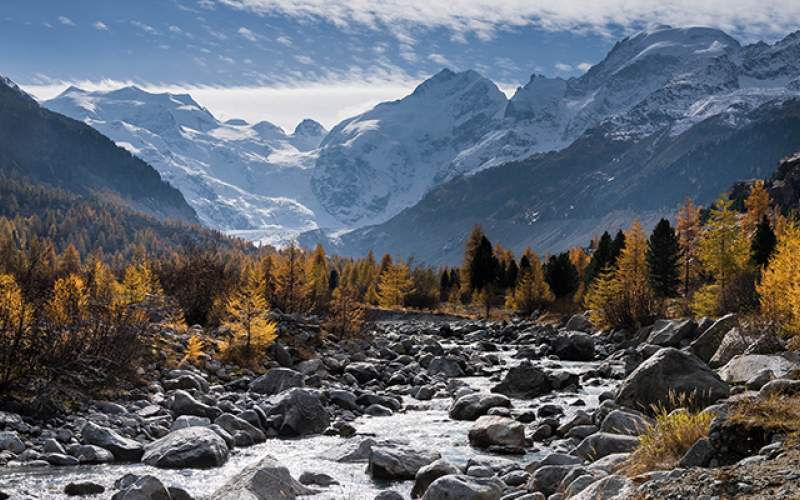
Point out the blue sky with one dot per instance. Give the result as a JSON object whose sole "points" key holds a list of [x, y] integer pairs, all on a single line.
{"points": [[283, 60]]}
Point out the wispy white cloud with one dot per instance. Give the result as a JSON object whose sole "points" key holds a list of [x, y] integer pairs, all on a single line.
{"points": [[176, 30], [329, 100], [563, 68], [65, 21], [250, 35], [46, 24], [145, 28], [584, 66], [100, 26], [285, 40], [484, 17], [439, 59], [227, 60], [304, 59]]}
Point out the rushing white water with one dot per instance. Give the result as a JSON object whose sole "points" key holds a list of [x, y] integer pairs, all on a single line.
{"points": [[426, 426]]}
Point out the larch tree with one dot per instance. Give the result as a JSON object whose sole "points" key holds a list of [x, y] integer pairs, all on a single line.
{"points": [[531, 292], [347, 314], [663, 256], [689, 233], [70, 262], [246, 312], [292, 288], [266, 279], [318, 275], [779, 288], [395, 284], [723, 249], [757, 204]]}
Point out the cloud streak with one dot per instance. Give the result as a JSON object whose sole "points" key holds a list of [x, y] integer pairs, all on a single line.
{"points": [[485, 17]]}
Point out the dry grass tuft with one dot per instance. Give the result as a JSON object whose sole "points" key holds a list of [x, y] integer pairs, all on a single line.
{"points": [[776, 414], [663, 445]]}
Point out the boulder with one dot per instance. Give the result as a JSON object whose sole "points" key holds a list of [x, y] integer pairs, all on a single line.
{"points": [[90, 454], [735, 342], [574, 346], [345, 400], [277, 380], [266, 480], [9, 440], [609, 488], [83, 489], [579, 323], [464, 488], [670, 332], [709, 341], [472, 406], [699, 455], [144, 488], [547, 479], [398, 462], [603, 444], [527, 381], [430, 473], [317, 478], [184, 404], [363, 372], [188, 447], [742, 368], [353, 450], [302, 411], [623, 422], [449, 366], [501, 431], [59, 459], [667, 373], [231, 424], [122, 448], [779, 387], [185, 421]]}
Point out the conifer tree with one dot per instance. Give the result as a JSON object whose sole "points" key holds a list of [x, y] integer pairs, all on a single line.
{"points": [[395, 284], [292, 289], [560, 275], [663, 260], [247, 319], [601, 259], [70, 301], [723, 249], [318, 273], [579, 259], [333, 280], [266, 279], [616, 246], [484, 266], [347, 314], [779, 287], [689, 233], [757, 204], [763, 243], [531, 292], [70, 262]]}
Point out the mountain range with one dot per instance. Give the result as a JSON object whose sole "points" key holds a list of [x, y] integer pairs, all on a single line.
{"points": [[58, 152], [668, 113]]}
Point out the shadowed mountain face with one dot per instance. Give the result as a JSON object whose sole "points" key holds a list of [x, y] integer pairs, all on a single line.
{"points": [[57, 151], [554, 201]]}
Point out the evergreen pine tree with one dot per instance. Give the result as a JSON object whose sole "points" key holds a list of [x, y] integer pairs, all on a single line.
{"points": [[483, 268], [616, 247], [663, 260], [763, 244], [561, 275], [601, 259]]}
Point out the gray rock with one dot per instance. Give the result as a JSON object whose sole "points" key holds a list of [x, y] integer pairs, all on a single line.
{"points": [[448, 366], [582, 431], [83, 489], [501, 431], [475, 405], [580, 418], [266, 480], [145, 488], [430, 473], [742, 368], [559, 459], [123, 448], [363, 372], [231, 424], [547, 479], [527, 381], [303, 412], [608, 488], [9, 440], [670, 372], [317, 478], [579, 484], [515, 478], [60, 459], [574, 346], [623, 422], [699, 455], [464, 488], [188, 447], [735, 342], [184, 404], [53, 446], [389, 495], [90, 454], [709, 341], [670, 332], [277, 380], [779, 386], [378, 411], [345, 400], [353, 450], [185, 421], [602, 444], [398, 462], [225, 435], [759, 380], [579, 323]]}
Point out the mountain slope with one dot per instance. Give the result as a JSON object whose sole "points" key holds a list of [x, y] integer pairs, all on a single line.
{"points": [[252, 179], [556, 200], [60, 152]]}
